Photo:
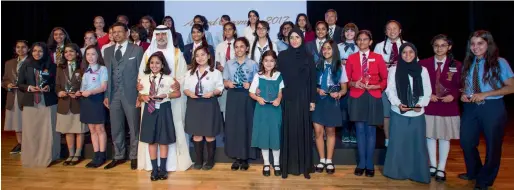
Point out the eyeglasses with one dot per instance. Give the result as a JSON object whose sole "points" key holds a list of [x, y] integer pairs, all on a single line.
{"points": [[228, 29], [360, 39], [262, 29], [440, 46]]}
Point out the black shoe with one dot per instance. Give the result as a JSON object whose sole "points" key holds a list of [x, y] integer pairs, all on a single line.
{"points": [[370, 173], [154, 175], [90, 164], [95, 159], [114, 163], [235, 166], [133, 164], [100, 161], [76, 160], [479, 187], [439, 178], [199, 154], [163, 175], [266, 172], [433, 173], [307, 176], [320, 169], [358, 172], [211, 148], [331, 171], [277, 172], [244, 165], [67, 162], [465, 176], [16, 149]]}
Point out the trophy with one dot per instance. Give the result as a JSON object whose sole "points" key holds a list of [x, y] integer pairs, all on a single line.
{"points": [[268, 95], [69, 88], [366, 78], [469, 93], [440, 90], [240, 84], [200, 91], [15, 81], [332, 89], [42, 82]]}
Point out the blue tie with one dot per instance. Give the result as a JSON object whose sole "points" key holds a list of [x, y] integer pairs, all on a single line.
{"points": [[349, 45]]}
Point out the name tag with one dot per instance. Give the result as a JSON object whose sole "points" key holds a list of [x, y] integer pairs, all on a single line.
{"points": [[453, 69], [371, 60], [157, 105]]}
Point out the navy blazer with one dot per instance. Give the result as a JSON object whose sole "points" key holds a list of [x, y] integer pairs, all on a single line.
{"points": [[338, 35], [313, 50], [188, 53]]}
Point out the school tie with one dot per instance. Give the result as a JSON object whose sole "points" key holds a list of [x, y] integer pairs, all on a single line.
{"points": [[394, 54], [331, 33], [36, 94], [227, 55], [349, 45], [262, 50], [364, 64], [117, 55], [438, 77], [476, 84], [58, 54], [89, 70], [239, 78], [320, 45], [151, 103]]}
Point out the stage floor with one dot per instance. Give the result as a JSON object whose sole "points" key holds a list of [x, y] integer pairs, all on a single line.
{"points": [[221, 177]]}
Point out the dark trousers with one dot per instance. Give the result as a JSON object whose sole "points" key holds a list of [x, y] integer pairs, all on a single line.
{"points": [[489, 118], [366, 139]]}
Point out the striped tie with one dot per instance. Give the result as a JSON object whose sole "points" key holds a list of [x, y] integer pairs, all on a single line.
{"points": [[151, 103], [364, 64], [476, 83]]}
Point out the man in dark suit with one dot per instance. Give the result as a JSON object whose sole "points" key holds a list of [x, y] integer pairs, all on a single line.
{"points": [[122, 61], [334, 31]]}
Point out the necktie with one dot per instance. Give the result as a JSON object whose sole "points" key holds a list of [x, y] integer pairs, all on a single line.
{"points": [[151, 103], [438, 77], [71, 69], [89, 70], [117, 55], [331, 32], [58, 55], [394, 54], [476, 84], [240, 77], [349, 45], [227, 56], [198, 87], [320, 45], [324, 78], [364, 64], [36, 94], [262, 50]]}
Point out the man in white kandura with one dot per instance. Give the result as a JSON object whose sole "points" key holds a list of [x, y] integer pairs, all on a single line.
{"points": [[178, 153]]}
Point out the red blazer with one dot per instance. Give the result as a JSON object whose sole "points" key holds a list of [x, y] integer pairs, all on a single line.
{"points": [[144, 45], [309, 36], [377, 70]]}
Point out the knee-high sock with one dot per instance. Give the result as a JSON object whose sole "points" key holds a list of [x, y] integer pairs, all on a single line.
{"points": [[431, 144], [265, 156], [276, 157], [444, 148]]}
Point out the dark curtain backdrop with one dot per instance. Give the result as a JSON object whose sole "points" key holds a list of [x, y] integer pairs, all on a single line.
{"points": [[421, 21]]}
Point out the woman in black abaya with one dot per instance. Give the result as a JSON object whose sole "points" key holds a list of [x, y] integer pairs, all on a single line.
{"points": [[299, 95]]}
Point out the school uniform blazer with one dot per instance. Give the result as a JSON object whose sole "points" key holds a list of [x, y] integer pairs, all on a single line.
{"points": [[67, 104], [9, 70], [450, 79], [309, 36], [144, 45], [313, 50], [27, 77], [188, 53], [377, 71]]}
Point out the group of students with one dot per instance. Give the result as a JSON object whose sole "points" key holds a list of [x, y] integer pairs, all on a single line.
{"points": [[266, 95]]}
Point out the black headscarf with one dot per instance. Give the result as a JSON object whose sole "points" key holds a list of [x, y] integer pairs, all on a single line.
{"points": [[44, 62], [405, 69]]}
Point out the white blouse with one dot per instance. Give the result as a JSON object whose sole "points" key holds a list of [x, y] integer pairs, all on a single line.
{"points": [[212, 81], [393, 94], [164, 86], [221, 52]]}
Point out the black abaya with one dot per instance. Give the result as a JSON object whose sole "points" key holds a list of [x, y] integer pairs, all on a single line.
{"points": [[299, 74]]}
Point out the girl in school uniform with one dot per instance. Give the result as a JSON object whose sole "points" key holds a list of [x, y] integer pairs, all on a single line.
{"points": [[262, 43], [198, 35], [111, 42], [251, 26], [93, 112], [139, 36], [367, 74], [442, 115], [56, 41], [283, 35], [267, 118], [13, 107], [157, 121], [331, 82], [203, 116], [389, 49], [346, 48], [67, 83], [314, 46], [202, 21], [89, 39], [409, 90], [486, 78], [149, 25], [41, 143], [177, 37], [220, 36], [302, 22], [237, 75], [225, 52]]}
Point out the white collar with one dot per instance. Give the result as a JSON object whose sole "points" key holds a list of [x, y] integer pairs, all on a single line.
{"points": [[124, 44], [436, 60], [366, 52]]}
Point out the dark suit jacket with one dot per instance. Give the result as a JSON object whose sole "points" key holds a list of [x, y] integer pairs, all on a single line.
{"points": [[337, 34], [27, 77], [9, 77], [188, 53], [65, 104], [131, 60], [180, 42], [313, 50]]}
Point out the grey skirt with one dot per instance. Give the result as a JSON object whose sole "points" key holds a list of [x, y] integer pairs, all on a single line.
{"points": [[13, 117], [70, 123], [366, 108], [446, 128]]}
